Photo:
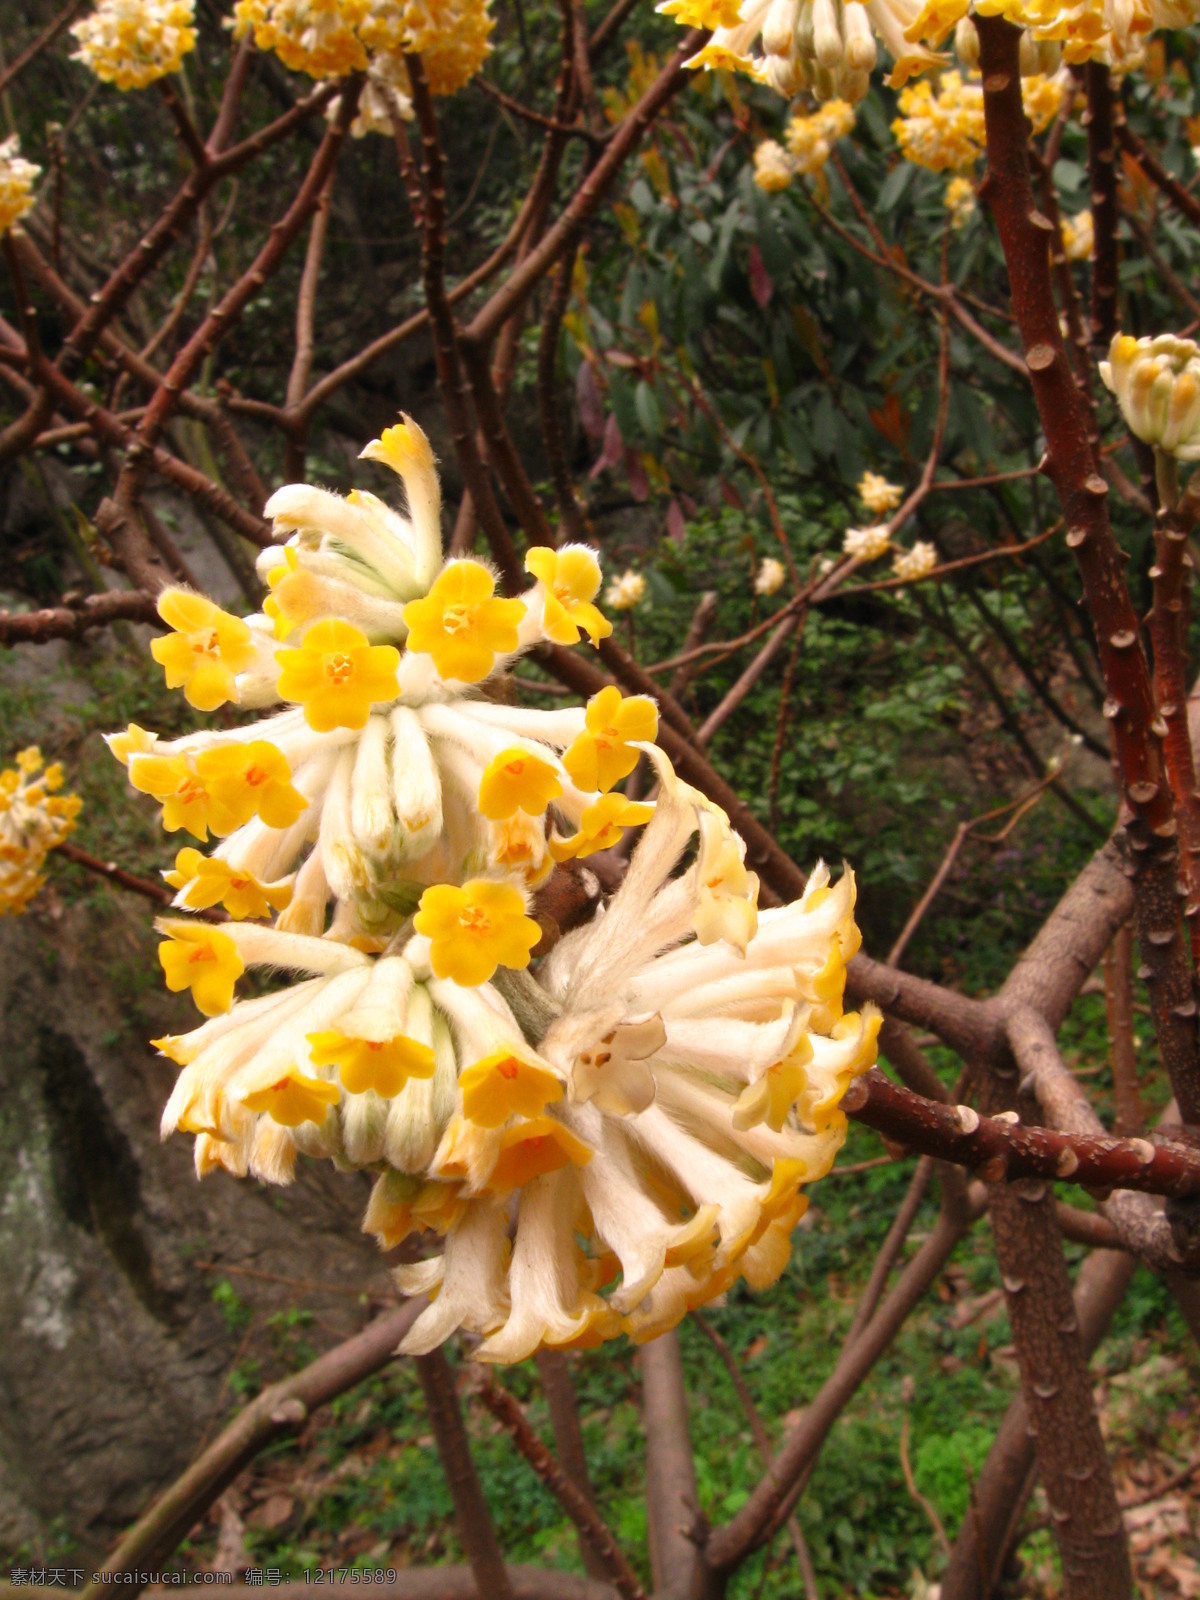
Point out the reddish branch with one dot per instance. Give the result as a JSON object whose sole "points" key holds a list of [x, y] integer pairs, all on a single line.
{"points": [[997, 1149], [1102, 172], [1169, 187], [574, 1502], [1072, 466]]}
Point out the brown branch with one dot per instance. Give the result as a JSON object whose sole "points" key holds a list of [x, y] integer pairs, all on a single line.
{"points": [[43, 40], [474, 1522], [1072, 466], [1005, 1151], [1170, 188], [554, 1369], [521, 283], [279, 1412], [1102, 173], [763, 1513], [185, 127], [763, 1441], [675, 1523], [923, 1501], [74, 620], [1122, 1043], [574, 1502], [889, 1251]]}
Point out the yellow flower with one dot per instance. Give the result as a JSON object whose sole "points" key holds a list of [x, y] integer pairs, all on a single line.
{"points": [[29, 760], [202, 959], [516, 780], [183, 795], [17, 178], [601, 755], [530, 1149], [504, 1085], [601, 826], [206, 651], [209, 881], [338, 676], [570, 579], [461, 625], [295, 1098], [134, 741], [518, 845], [475, 929], [401, 447], [252, 779], [294, 594], [382, 1065]]}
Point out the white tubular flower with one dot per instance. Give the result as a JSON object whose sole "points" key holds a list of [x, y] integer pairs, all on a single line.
{"points": [[866, 544], [1157, 385], [770, 577], [918, 562], [877, 494], [825, 46], [132, 43], [17, 178]]}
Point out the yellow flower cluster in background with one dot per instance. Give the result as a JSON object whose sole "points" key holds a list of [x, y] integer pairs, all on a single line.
{"points": [[941, 126], [17, 178], [34, 819], [960, 201], [132, 43], [810, 139], [330, 38]]}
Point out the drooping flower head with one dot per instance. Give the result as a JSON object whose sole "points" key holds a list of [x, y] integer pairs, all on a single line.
{"points": [[770, 577], [598, 1138], [34, 819], [942, 127], [877, 494], [1157, 385], [132, 43], [960, 201], [918, 562], [625, 592], [1078, 236], [866, 544], [17, 178]]}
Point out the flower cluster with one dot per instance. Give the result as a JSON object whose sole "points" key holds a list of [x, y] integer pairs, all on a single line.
{"points": [[1157, 385], [877, 494], [1110, 31], [34, 819], [942, 128], [770, 577], [919, 562], [810, 141], [330, 38], [825, 46], [867, 544], [625, 592], [17, 178], [132, 43], [599, 1143]]}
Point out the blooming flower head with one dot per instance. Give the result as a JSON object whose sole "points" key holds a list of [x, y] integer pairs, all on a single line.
{"points": [[1157, 385], [132, 43], [919, 562], [866, 544], [1108, 31], [773, 167], [626, 591], [17, 178], [34, 819], [769, 578], [877, 494], [330, 38]]}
